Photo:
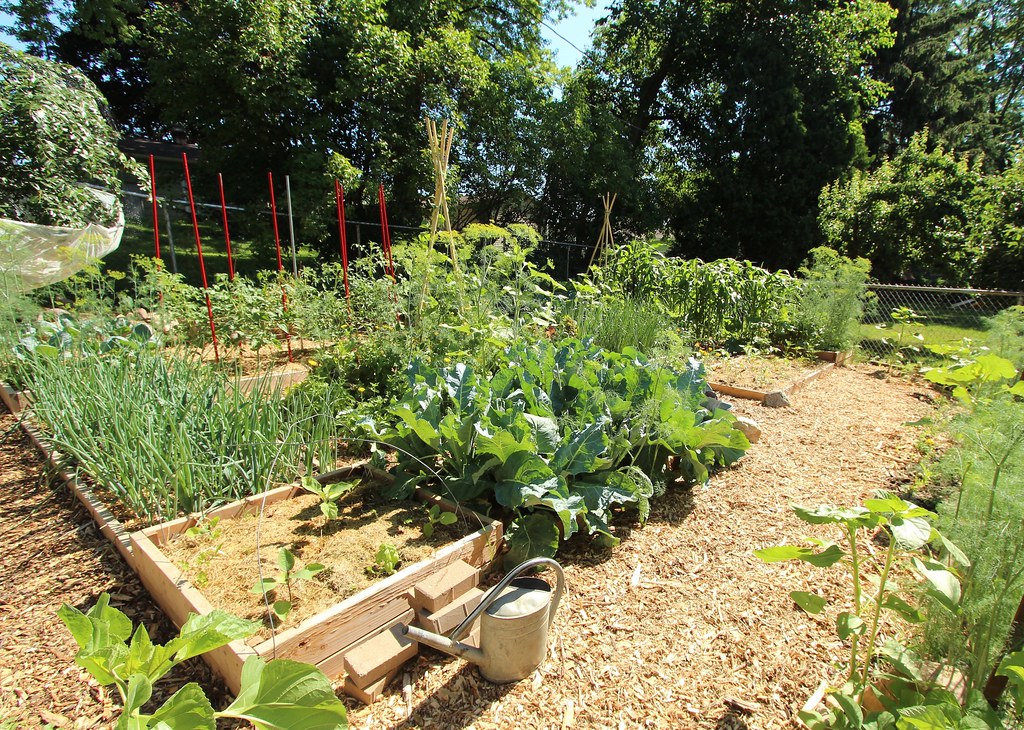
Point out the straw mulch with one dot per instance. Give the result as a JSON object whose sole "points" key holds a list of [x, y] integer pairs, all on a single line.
{"points": [[679, 627]]}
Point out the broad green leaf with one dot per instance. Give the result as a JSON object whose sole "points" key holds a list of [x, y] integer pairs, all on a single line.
{"points": [[309, 571], [462, 386], [330, 510], [923, 717], [545, 433], [944, 586], [286, 560], [850, 708], [1012, 667], [448, 518], [187, 709], [823, 559], [827, 515], [264, 585], [567, 508], [283, 695], [140, 689], [501, 444], [530, 536], [958, 555], [419, 426], [911, 533], [886, 505], [904, 609], [809, 602], [1017, 389], [201, 634], [847, 625], [906, 662], [281, 609], [581, 453], [99, 626]]}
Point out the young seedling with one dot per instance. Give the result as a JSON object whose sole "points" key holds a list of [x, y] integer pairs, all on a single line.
{"points": [[287, 576], [385, 561], [205, 529], [329, 495], [437, 517]]}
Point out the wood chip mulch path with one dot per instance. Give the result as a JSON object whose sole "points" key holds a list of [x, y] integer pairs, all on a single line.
{"points": [[679, 627]]}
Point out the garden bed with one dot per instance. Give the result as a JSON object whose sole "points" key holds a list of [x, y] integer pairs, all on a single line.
{"points": [[324, 636], [769, 380]]}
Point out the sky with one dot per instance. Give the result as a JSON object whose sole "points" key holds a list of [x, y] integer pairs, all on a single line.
{"points": [[575, 31]]}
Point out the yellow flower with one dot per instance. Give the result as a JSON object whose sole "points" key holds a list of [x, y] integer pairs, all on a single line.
{"points": [[361, 389], [313, 363]]}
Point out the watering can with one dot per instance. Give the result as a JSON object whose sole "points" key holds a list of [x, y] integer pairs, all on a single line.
{"points": [[516, 614]]}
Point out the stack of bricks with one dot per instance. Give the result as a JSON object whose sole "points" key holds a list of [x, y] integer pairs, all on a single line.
{"points": [[438, 603]]}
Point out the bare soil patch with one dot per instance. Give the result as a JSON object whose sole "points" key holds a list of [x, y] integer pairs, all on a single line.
{"points": [[677, 628], [227, 561]]}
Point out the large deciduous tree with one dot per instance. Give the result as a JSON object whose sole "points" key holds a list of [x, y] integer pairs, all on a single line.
{"points": [[738, 113]]}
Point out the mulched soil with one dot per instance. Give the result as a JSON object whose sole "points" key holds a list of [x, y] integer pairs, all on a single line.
{"points": [[679, 627]]}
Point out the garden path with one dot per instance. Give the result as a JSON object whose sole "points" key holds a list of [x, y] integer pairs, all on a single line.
{"points": [[679, 627]]}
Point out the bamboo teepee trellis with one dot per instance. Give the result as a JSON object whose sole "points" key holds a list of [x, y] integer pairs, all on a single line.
{"points": [[440, 150], [605, 239]]}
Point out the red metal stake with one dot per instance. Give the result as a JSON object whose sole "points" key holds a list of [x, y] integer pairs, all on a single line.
{"points": [[386, 235], [280, 263], [227, 234], [152, 195], [339, 199], [202, 263]]}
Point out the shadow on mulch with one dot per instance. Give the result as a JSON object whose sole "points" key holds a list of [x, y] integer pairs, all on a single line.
{"points": [[454, 710]]}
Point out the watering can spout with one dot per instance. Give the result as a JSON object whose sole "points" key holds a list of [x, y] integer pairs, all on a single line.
{"points": [[443, 643]]}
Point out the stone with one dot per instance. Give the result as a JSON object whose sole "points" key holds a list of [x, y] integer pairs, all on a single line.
{"points": [[776, 399], [750, 428]]}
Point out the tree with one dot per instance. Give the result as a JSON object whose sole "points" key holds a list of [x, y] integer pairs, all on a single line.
{"points": [[937, 81], [739, 113], [55, 138], [911, 217], [998, 229]]}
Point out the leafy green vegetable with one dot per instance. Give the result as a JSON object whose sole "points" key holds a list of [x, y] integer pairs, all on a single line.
{"points": [[558, 438]]}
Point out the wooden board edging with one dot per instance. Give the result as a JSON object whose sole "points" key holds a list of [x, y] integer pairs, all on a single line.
{"points": [[808, 379], [737, 392], [321, 639], [110, 527]]}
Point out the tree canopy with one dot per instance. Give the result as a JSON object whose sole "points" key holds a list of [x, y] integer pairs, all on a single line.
{"points": [[718, 124]]}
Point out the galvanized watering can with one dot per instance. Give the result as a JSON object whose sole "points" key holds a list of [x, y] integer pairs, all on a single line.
{"points": [[515, 616]]}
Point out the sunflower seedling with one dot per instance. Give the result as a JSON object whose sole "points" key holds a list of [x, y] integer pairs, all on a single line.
{"points": [[436, 517], [329, 495], [287, 576]]}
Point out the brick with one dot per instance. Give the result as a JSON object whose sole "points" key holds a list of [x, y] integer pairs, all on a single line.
{"points": [[444, 586], [450, 616], [372, 659], [372, 692]]}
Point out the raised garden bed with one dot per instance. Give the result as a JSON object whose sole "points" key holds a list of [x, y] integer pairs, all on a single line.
{"points": [[323, 638], [770, 381]]}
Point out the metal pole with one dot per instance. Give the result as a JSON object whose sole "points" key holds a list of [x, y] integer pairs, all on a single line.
{"points": [[291, 224], [170, 239]]}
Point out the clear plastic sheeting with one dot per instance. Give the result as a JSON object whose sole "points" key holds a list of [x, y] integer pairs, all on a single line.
{"points": [[32, 256]]}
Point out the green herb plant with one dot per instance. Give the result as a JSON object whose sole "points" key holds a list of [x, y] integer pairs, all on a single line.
{"points": [[436, 516], [904, 319], [274, 695], [908, 530], [288, 576], [385, 561]]}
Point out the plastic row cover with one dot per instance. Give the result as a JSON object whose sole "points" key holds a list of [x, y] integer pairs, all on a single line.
{"points": [[32, 256]]}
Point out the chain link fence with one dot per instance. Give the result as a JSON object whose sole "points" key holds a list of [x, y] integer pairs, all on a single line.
{"points": [[968, 308]]}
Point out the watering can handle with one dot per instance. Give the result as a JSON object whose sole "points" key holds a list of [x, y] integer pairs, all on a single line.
{"points": [[463, 627]]}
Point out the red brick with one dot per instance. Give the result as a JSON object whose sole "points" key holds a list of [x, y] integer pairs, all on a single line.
{"points": [[450, 616], [373, 658], [444, 586], [372, 692]]}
